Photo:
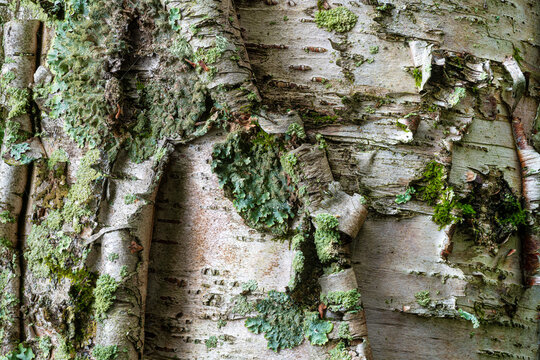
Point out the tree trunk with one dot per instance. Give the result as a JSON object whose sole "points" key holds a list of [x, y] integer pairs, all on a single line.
{"points": [[270, 180]]}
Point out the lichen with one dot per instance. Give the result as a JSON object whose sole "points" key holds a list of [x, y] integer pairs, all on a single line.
{"points": [[339, 19], [298, 266], [211, 342], [339, 352], [343, 301], [296, 130], [280, 319], [458, 94], [104, 291], [344, 332], [6, 217], [327, 238], [45, 346], [423, 298], [406, 196], [288, 163], [315, 329], [249, 171], [21, 353], [249, 286], [101, 352]]}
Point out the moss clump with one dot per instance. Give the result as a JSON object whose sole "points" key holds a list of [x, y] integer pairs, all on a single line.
{"points": [[298, 267], [433, 182], [315, 329], [280, 319], [339, 352], [249, 171], [288, 163], [327, 238], [104, 296], [417, 74], [344, 332], [101, 352], [339, 19], [343, 301], [316, 118], [422, 298]]}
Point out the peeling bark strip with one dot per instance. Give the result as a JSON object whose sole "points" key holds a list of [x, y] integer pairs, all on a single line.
{"points": [[326, 201], [20, 46], [125, 252], [530, 168]]}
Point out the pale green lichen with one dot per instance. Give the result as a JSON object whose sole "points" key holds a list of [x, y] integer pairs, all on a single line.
{"points": [[327, 238], [298, 266], [104, 291], [57, 156], [45, 346], [288, 163], [250, 286], [280, 319], [458, 94], [211, 342], [101, 352], [343, 301], [316, 330], [468, 316], [344, 332], [339, 352], [6, 217], [339, 19]]}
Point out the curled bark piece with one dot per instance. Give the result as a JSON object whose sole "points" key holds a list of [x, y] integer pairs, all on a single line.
{"points": [[421, 54], [20, 44], [123, 323], [343, 282], [277, 123], [518, 85], [316, 174], [350, 210], [530, 167]]}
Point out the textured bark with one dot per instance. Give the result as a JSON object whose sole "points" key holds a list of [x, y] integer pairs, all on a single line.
{"points": [[20, 45], [412, 82]]}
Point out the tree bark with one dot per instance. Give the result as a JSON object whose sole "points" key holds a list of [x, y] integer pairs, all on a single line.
{"points": [[179, 177]]}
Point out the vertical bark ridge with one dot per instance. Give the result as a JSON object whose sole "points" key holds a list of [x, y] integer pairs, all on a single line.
{"points": [[20, 46]]}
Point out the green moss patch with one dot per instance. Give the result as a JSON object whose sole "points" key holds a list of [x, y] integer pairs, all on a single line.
{"points": [[327, 238], [342, 301], [339, 19], [104, 296]]}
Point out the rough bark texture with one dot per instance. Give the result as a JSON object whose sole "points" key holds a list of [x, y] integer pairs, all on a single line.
{"points": [[374, 162]]}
